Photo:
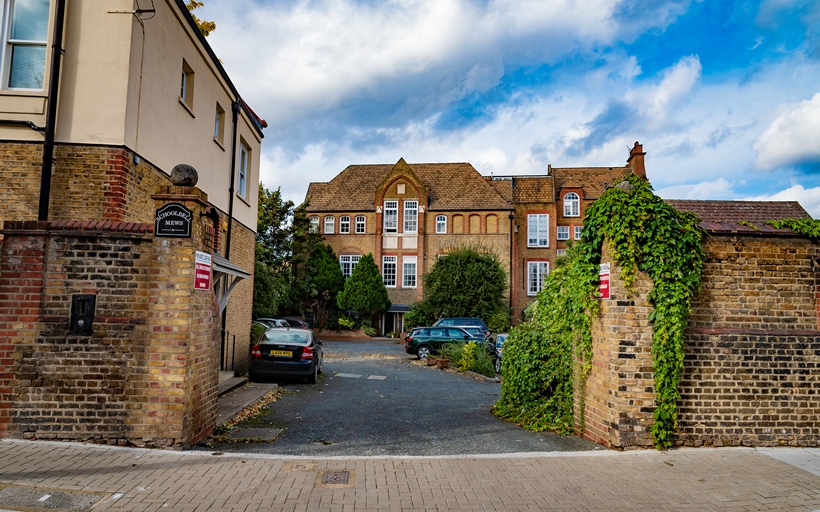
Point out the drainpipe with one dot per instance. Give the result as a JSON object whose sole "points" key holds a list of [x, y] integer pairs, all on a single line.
{"points": [[235, 106], [512, 261], [51, 113]]}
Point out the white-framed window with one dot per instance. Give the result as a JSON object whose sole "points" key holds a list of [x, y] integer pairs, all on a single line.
{"points": [[244, 167], [538, 230], [391, 216], [389, 271], [411, 216], [330, 222], [536, 273], [441, 223], [562, 233], [561, 252], [348, 263], [344, 224], [186, 87], [572, 205], [219, 124], [25, 35], [577, 232], [408, 271], [360, 224], [314, 224]]}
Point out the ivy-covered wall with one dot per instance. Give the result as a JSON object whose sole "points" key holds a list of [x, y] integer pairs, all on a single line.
{"points": [[751, 366]]}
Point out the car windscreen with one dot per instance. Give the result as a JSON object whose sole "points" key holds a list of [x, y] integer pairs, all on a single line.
{"points": [[286, 336]]}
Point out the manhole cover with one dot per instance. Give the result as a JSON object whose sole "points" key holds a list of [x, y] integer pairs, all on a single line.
{"points": [[39, 498], [335, 477], [262, 434]]}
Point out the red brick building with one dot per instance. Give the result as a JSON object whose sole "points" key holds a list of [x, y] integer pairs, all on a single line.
{"points": [[407, 215]]}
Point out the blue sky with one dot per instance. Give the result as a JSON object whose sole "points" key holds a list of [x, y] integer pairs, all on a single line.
{"points": [[724, 96]]}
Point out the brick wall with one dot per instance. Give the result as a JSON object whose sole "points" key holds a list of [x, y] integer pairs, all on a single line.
{"points": [[148, 373], [752, 352], [620, 393], [239, 310]]}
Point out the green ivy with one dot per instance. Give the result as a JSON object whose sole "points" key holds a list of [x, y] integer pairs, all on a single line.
{"points": [[807, 227], [644, 234]]}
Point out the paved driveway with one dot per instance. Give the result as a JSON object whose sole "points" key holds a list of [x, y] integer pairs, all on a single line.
{"points": [[374, 399]]}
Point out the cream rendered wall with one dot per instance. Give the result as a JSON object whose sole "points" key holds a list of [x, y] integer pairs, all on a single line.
{"points": [[95, 70], [160, 129], [120, 87]]}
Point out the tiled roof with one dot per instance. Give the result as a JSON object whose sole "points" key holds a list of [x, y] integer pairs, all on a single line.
{"points": [[745, 217], [594, 180], [533, 189], [503, 187], [454, 186]]}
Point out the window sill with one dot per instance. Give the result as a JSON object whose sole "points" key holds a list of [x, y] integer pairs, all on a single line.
{"points": [[218, 143], [244, 200], [186, 107]]}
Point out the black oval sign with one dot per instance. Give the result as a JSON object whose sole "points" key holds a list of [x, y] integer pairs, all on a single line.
{"points": [[173, 220]]}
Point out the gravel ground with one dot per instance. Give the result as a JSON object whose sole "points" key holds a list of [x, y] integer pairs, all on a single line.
{"points": [[397, 406]]}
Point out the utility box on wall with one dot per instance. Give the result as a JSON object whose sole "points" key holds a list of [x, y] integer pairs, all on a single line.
{"points": [[82, 314]]}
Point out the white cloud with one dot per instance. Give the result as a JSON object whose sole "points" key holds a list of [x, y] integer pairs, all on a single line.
{"points": [[793, 137], [715, 189], [809, 198], [657, 102]]}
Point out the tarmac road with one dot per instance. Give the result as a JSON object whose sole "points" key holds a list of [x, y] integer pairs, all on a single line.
{"points": [[374, 399]]}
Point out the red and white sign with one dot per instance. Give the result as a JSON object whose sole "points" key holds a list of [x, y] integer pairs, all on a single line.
{"points": [[603, 281], [202, 271]]}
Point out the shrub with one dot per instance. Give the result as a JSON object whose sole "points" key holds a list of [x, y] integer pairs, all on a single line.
{"points": [[369, 331], [347, 323], [467, 356], [500, 321], [452, 351]]}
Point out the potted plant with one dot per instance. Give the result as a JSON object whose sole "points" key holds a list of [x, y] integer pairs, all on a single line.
{"points": [[443, 362], [431, 360]]}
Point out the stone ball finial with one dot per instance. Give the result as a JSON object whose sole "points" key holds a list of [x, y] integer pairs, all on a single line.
{"points": [[184, 175]]}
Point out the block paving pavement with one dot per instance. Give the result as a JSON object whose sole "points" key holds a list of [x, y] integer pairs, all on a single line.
{"points": [[133, 479]]}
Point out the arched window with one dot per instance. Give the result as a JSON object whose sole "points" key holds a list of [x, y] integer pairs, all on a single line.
{"points": [[314, 224], [492, 224], [572, 205], [360, 224], [330, 222], [441, 223]]}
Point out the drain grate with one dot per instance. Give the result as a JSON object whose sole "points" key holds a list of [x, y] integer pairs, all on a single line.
{"points": [[336, 477]]}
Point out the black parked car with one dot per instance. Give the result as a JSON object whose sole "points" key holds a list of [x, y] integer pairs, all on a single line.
{"points": [[287, 352]]}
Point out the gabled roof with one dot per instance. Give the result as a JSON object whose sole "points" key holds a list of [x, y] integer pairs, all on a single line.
{"points": [[594, 180], [744, 217], [451, 186]]}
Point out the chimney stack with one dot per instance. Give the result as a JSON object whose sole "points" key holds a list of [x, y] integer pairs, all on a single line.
{"points": [[635, 160]]}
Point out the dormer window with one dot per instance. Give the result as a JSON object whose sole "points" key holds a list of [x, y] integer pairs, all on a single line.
{"points": [[572, 205]]}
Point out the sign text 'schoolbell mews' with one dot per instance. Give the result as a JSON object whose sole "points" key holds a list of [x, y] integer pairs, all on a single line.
{"points": [[173, 220]]}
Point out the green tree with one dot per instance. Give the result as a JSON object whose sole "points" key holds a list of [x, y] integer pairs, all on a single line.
{"points": [[283, 242], [325, 280], [364, 290], [206, 27], [464, 283]]}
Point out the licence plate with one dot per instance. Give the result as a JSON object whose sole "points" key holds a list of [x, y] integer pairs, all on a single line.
{"points": [[285, 353]]}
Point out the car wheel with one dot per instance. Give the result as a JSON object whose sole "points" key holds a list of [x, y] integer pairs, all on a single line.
{"points": [[314, 377], [423, 351], [497, 365]]}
